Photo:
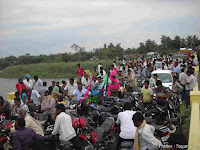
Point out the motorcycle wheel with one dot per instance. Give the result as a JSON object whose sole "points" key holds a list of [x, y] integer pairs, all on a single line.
{"points": [[172, 129]]}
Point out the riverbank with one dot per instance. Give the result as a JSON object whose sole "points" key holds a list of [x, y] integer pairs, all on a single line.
{"points": [[51, 70]]}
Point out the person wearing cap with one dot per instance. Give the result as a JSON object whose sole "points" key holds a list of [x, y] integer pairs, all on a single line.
{"points": [[28, 82]]}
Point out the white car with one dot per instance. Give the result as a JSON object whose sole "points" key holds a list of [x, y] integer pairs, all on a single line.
{"points": [[165, 76]]}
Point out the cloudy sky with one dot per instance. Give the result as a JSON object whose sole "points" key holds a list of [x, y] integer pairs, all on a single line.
{"points": [[51, 26]]}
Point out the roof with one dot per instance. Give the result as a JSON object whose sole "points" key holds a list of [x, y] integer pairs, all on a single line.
{"points": [[161, 71]]}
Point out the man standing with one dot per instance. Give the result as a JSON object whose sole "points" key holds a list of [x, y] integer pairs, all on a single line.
{"points": [[162, 93], [20, 85], [176, 68], [99, 66], [70, 88], [182, 79], [37, 84], [55, 88], [144, 136], [132, 82], [176, 86], [190, 83], [28, 82], [86, 82], [63, 127], [43, 89], [142, 72], [146, 94], [80, 72], [23, 136], [152, 82], [127, 129]]}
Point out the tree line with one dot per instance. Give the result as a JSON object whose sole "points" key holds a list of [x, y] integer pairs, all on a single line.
{"points": [[110, 51]]}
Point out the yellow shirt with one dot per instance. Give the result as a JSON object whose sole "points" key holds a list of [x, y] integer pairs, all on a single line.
{"points": [[146, 94]]}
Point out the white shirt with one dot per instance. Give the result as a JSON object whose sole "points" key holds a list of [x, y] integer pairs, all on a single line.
{"points": [[170, 66], [192, 80], [16, 109], [121, 68], [115, 65], [83, 79], [35, 96], [12, 102], [70, 88], [28, 83], [43, 89], [195, 62], [63, 126], [147, 140], [126, 124], [86, 83], [182, 78], [99, 66], [32, 124], [152, 83], [37, 85], [102, 76]]}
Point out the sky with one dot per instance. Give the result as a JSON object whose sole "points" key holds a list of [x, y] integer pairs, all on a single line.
{"points": [[49, 26]]}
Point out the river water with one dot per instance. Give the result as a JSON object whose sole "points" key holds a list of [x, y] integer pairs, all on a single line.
{"points": [[8, 85]]}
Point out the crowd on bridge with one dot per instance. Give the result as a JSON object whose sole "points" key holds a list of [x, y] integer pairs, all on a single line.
{"points": [[32, 94]]}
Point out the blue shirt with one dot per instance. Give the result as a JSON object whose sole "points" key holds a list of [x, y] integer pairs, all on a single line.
{"points": [[142, 73], [79, 95], [176, 69], [26, 97]]}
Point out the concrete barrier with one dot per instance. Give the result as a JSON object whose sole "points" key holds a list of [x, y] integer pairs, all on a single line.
{"points": [[194, 134], [10, 96]]}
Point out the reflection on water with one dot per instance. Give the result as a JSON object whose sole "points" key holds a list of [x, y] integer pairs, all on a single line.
{"points": [[9, 85]]}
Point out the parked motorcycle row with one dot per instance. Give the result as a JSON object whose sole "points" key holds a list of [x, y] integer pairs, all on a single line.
{"points": [[95, 123]]}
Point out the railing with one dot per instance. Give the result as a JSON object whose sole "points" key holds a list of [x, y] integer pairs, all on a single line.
{"points": [[194, 134]]}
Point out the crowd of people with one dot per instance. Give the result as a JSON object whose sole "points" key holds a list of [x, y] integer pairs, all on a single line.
{"points": [[35, 93]]}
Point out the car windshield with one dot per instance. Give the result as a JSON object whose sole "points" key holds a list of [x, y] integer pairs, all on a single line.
{"points": [[164, 77]]}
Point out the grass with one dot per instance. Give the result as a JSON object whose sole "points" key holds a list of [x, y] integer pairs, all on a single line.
{"points": [[51, 70], [185, 114]]}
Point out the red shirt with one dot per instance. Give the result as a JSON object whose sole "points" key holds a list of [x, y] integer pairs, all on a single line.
{"points": [[19, 87], [80, 71]]}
